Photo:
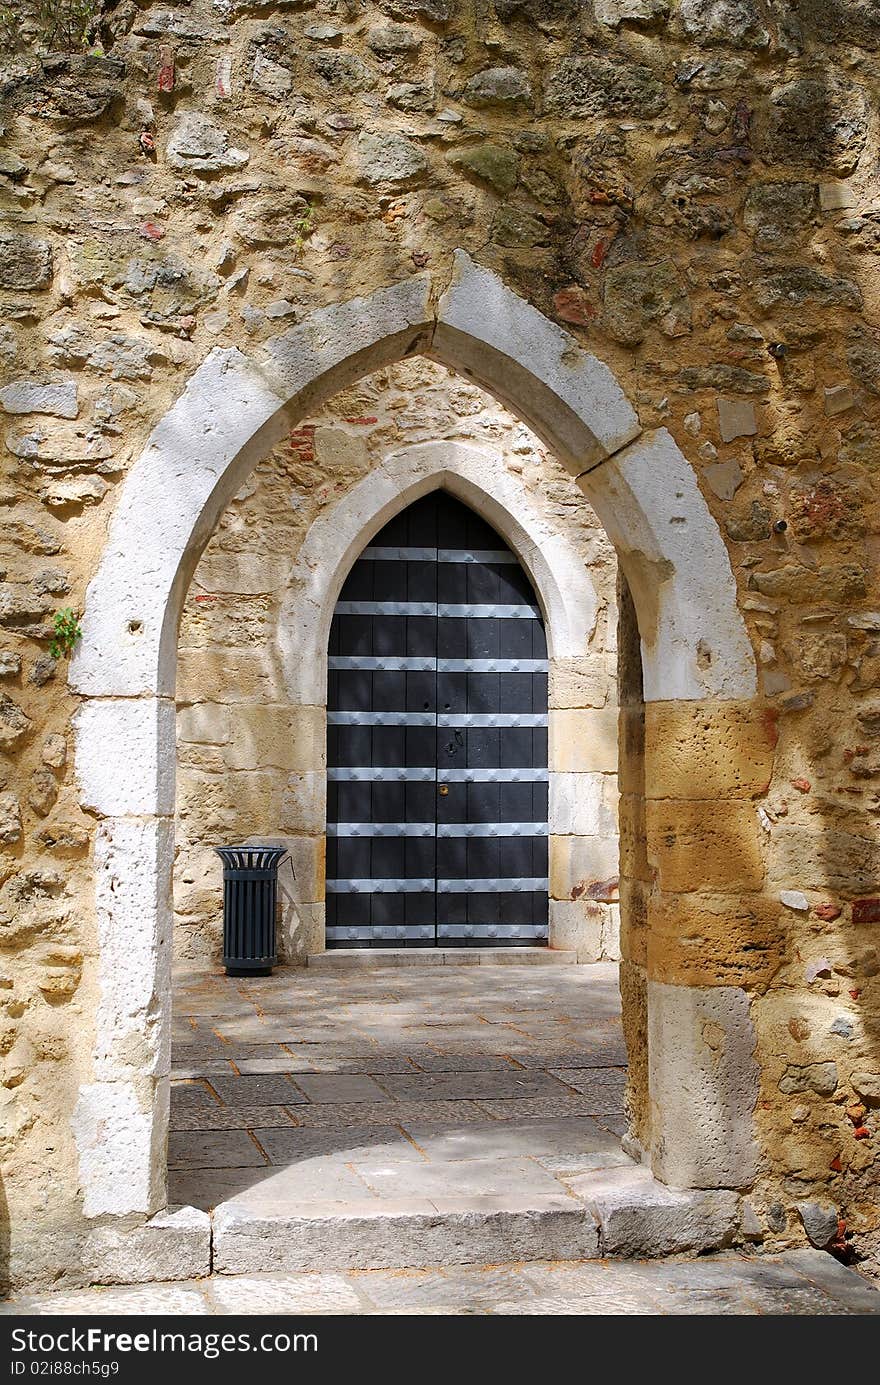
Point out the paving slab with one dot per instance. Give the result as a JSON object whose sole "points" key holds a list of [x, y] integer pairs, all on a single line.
{"points": [[332, 1087], [342, 1115], [218, 1117], [213, 1149], [283, 1294], [292, 1146], [461, 1178], [192, 1095], [470, 1086], [273, 1089], [491, 1139]]}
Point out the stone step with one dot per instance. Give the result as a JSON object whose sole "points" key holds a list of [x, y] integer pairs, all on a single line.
{"points": [[617, 1212], [403, 1235], [371, 958], [613, 1213]]}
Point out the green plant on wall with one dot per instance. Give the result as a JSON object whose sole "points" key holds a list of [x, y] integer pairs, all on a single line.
{"points": [[303, 229], [67, 631], [53, 25]]}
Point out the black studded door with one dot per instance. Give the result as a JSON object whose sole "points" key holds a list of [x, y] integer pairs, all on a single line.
{"points": [[437, 741]]}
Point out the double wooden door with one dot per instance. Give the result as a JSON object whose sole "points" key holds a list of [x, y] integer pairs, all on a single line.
{"points": [[437, 740]]}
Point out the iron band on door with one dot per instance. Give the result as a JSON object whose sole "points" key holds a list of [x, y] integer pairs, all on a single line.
{"points": [[437, 741]]}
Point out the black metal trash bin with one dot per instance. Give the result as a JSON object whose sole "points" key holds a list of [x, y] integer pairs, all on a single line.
{"points": [[250, 894]]}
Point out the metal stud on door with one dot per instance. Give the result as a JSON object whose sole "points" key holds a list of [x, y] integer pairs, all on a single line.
{"points": [[437, 740]]}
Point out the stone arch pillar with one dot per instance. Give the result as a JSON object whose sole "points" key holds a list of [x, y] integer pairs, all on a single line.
{"points": [[696, 655]]}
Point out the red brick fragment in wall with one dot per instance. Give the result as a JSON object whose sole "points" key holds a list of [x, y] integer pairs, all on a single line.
{"points": [[827, 912], [302, 442], [866, 911], [572, 305], [166, 68]]}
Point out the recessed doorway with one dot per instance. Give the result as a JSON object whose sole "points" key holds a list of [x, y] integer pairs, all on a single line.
{"points": [[437, 804]]}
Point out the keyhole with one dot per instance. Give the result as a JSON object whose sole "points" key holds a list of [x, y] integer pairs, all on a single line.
{"points": [[444, 790]]}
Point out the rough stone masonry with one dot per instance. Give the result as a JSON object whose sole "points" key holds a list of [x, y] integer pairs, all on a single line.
{"points": [[690, 190]]}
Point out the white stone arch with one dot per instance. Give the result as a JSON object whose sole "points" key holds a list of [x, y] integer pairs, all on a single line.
{"points": [[231, 412]]}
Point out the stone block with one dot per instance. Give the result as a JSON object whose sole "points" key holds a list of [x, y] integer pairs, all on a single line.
{"points": [[838, 399], [60, 492], [279, 737], [204, 723], [405, 1233], [725, 479], [10, 819], [579, 682], [583, 805], [219, 674], [823, 858], [138, 733], [576, 925], [821, 1078], [710, 940], [819, 1221], [57, 398], [389, 158], [504, 88], [834, 197], [584, 741], [736, 419], [579, 863], [172, 1245], [633, 844], [120, 1128], [244, 574], [708, 750], [617, 12], [703, 1081], [488, 163], [867, 1085], [639, 1218], [304, 803], [697, 845], [133, 865], [198, 144], [631, 750], [25, 263]]}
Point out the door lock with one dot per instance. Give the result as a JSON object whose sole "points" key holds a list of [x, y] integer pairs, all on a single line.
{"points": [[444, 789]]}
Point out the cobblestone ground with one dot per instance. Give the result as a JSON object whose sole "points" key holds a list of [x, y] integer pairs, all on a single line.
{"points": [[411, 1082], [799, 1282]]}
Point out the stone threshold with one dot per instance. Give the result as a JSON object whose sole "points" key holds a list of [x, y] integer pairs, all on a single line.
{"points": [[373, 958], [621, 1213]]}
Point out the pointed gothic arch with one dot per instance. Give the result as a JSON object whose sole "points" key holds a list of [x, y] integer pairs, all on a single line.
{"points": [[231, 412]]}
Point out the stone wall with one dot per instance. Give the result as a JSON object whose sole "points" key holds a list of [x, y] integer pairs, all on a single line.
{"points": [[690, 188], [243, 768]]}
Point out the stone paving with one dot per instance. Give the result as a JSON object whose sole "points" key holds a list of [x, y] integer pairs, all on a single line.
{"points": [[799, 1282], [438, 1085], [451, 1087]]}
